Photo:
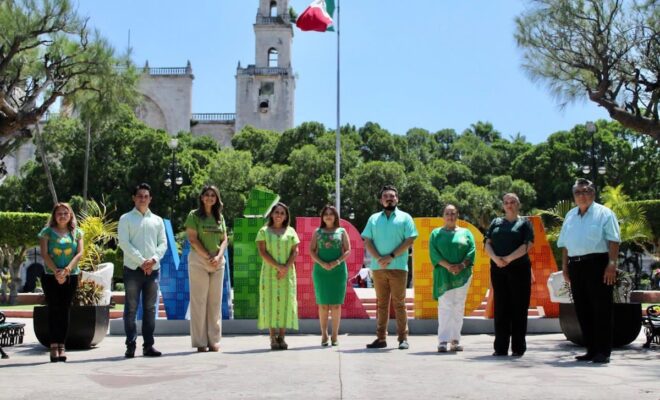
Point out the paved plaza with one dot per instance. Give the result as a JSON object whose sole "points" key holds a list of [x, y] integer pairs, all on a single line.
{"points": [[247, 369]]}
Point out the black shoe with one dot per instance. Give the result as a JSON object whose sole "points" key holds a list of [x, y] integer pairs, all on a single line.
{"points": [[130, 351], [585, 357], [500, 354], [403, 345], [600, 359], [151, 352], [517, 354], [377, 344]]}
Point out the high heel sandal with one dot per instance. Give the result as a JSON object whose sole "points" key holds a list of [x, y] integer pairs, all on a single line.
{"points": [[53, 353], [62, 354]]}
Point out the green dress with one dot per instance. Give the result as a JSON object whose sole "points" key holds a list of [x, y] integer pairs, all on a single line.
{"points": [[455, 247], [278, 305], [329, 286]]}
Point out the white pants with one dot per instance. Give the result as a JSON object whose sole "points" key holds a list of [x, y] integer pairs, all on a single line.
{"points": [[451, 307]]}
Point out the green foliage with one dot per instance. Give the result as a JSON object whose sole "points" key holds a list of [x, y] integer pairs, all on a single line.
{"points": [[116, 257], [47, 51], [20, 229], [652, 210], [98, 231], [89, 293], [606, 50]]}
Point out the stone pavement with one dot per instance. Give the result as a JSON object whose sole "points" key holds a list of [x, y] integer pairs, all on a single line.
{"points": [[247, 369]]}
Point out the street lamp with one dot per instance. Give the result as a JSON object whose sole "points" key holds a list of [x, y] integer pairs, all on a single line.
{"points": [[173, 177], [586, 169]]}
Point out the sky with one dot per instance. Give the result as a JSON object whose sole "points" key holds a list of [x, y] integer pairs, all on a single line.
{"points": [[431, 64]]}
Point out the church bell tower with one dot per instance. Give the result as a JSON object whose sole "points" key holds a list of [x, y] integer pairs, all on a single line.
{"points": [[265, 90]]}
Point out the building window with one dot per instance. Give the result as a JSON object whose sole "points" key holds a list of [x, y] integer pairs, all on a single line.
{"points": [[273, 9], [263, 106], [272, 57], [267, 89]]}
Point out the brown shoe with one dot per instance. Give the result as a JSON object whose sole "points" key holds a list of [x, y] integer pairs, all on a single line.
{"points": [[214, 348], [274, 343], [283, 344], [201, 349]]}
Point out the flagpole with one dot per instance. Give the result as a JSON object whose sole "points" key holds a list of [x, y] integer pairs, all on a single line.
{"points": [[338, 133]]}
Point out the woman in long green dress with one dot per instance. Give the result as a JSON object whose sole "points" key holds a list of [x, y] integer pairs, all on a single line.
{"points": [[329, 249], [277, 243]]}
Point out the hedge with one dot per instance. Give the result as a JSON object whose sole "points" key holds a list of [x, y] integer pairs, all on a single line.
{"points": [[21, 228]]}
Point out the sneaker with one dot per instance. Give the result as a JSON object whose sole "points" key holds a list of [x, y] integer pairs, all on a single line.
{"points": [[455, 346], [130, 351], [403, 345], [151, 352], [442, 347], [377, 344]]}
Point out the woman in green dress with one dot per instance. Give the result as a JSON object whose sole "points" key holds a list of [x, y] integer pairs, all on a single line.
{"points": [[277, 243], [329, 249], [452, 255]]}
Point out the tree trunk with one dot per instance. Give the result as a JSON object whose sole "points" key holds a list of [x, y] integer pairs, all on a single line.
{"points": [[44, 161], [86, 173], [15, 260]]}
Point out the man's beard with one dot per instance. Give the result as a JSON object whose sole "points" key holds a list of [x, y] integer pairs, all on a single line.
{"points": [[389, 207]]}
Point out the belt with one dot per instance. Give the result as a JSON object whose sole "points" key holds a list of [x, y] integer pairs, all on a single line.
{"points": [[586, 257]]}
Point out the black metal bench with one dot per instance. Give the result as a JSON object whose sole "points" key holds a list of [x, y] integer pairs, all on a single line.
{"points": [[651, 323], [11, 333]]}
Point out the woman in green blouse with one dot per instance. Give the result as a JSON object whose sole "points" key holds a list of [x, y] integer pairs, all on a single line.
{"points": [[277, 244], [61, 244], [207, 234], [452, 255], [329, 249]]}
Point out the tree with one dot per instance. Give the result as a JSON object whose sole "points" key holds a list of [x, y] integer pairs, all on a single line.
{"points": [[46, 52], [606, 49]]}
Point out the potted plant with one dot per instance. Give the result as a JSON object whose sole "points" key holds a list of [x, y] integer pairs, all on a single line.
{"points": [[90, 314]]}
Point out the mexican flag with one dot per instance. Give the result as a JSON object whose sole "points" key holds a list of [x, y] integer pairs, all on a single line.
{"points": [[317, 16]]}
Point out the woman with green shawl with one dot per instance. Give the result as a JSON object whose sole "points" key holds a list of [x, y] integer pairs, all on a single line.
{"points": [[452, 255]]}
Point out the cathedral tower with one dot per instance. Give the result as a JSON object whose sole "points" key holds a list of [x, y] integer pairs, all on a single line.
{"points": [[265, 90]]}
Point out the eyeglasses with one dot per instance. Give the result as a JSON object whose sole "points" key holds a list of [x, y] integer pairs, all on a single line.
{"points": [[583, 192]]}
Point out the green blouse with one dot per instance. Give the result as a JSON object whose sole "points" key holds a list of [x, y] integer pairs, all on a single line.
{"points": [[209, 232], [453, 247], [61, 248]]}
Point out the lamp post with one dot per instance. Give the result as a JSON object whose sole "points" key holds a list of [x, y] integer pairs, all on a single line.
{"points": [[586, 169], [173, 177]]}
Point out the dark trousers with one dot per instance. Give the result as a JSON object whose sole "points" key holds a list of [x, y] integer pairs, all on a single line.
{"points": [[59, 298], [136, 285], [593, 302], [512, 286]]}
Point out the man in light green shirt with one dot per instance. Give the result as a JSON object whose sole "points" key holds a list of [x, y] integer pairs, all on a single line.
{"points": [[143, 241], [387, 237]]}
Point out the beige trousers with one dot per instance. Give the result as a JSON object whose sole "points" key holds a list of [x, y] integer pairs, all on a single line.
{"points": [[205, 299]]}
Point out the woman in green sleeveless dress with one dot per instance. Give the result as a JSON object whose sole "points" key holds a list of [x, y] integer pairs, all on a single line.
{"points": [[329, 249], [277, 244]]}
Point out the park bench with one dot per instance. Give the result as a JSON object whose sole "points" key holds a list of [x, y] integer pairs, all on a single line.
{"points": [[651, 323], [11, 333]]}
